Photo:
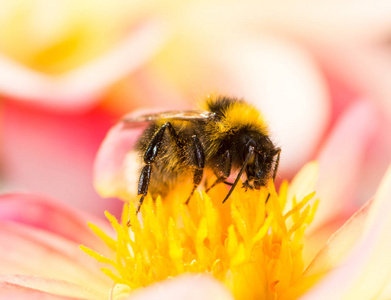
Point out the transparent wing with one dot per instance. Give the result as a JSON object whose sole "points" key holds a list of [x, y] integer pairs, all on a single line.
{"points": [[188, 115]]}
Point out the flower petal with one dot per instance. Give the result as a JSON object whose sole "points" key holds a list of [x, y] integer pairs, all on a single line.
{"points": [[340, 243], [32, 287], [59, 160], [367, 270], [339, 165], [110, 163], [50, 215], [304, 182], [41, 237], [184, 287], [341, 159], [29, 251], [80, 88]]}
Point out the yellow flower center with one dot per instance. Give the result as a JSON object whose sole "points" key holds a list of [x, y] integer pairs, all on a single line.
{"points": [[254, 248]]}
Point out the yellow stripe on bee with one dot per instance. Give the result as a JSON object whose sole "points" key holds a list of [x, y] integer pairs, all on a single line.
{"points": [[241, 114]]}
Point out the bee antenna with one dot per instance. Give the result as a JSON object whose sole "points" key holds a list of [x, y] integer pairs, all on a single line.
{"points": [[251, 151]]}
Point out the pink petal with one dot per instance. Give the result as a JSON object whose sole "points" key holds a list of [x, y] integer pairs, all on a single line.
{"points": [[341, 160], [54, 154], [81, 88], [31, 287], [16, 292], [340, 243], [184, 287], [367, 270], [52, 216], [30, 251], [110, 165]]}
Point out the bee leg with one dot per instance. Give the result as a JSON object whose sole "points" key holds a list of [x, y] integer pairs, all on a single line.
{"points": [[275, 170], [149, 158], [224, 174], [250, 153], [199, 163], [143, 184], [219, 180]]}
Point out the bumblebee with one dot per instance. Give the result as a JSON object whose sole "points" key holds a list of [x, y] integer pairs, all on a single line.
{"points": [[229, 137]]}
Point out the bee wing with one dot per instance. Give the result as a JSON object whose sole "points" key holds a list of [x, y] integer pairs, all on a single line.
{"points": [[186, 115]]}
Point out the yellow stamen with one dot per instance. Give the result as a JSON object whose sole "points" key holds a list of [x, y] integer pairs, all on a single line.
{"points": [[253, 248]]}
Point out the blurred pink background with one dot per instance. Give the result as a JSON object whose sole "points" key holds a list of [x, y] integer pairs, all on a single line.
{"points": [[70, 69]]}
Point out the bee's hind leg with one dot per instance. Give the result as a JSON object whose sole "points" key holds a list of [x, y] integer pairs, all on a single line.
{"points": [[198, 164], [150, 154], [143, 184], [149, 158]]}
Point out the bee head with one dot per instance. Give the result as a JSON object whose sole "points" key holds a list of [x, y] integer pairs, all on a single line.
{"points": [[261, 158]]}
